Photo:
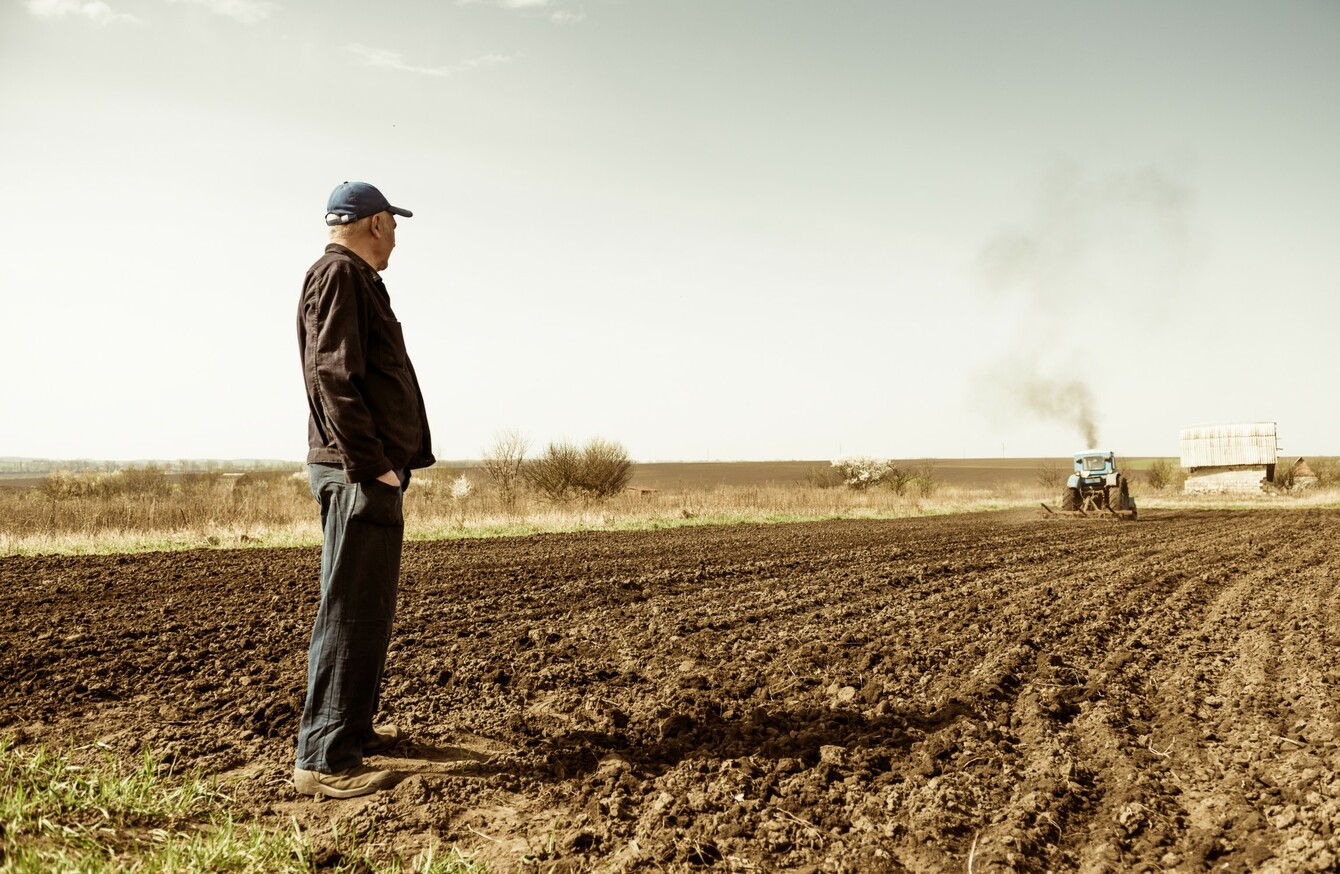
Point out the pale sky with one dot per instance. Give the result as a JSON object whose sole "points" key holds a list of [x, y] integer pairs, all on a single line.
{"points": [[708, 229]]}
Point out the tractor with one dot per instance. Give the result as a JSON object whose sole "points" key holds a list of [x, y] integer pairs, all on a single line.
{"points": [[1097, 486]]}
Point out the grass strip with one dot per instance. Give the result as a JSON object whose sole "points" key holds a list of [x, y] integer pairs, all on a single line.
{"points": [[59, 816]]}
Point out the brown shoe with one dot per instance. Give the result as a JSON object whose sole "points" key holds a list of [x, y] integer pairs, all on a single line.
{"points": [[382, 739], [352, 782]]}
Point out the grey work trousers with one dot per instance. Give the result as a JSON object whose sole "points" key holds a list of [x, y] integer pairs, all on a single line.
{"points": [[363, 525]]}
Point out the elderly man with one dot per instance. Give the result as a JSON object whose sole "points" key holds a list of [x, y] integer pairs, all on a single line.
{"points": [[367, 429]]}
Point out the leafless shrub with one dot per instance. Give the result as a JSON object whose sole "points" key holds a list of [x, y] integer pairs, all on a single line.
{"points": [[1327, 471], [1159, 475], [261, 479], [897, 480], [136, 482], [1049, 474], [63, 485], [563, 471], [922, 479], [199, 480], [146, 482], [605, 469], [553, 473], [503, 462], [822, 478]]}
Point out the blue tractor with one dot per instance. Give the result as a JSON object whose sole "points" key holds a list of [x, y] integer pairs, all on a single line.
{"points": [[1097, 486]]}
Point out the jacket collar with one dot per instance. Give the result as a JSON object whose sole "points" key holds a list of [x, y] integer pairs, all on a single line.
{"points": [[337, 249]]}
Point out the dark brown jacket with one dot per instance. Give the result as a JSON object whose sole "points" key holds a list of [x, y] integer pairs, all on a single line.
{"points": [[366, 408]]}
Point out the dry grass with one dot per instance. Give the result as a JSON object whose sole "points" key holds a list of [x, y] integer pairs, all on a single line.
{"points": [[77, 515], [73, 513]]}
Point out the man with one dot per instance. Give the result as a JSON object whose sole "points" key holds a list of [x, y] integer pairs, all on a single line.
{"points": [[366, 431]]}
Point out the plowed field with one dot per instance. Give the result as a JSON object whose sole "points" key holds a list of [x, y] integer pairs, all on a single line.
{"points": [[985, 692]]}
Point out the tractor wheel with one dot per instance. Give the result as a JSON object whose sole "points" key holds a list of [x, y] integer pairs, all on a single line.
{"points": [[1070, 500], [1117, 497]]}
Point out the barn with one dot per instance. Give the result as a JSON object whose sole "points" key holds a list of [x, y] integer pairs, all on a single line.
{"points": [[1229, 458]]}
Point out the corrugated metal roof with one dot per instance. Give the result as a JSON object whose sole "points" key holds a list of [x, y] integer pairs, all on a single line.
{"points": [[1224, 445]]}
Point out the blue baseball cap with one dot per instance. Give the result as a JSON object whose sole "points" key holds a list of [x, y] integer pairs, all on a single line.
{"points": [[351, 201]]}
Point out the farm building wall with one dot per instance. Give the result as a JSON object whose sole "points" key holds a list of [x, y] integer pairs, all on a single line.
{"points": [[1249, 443], [1234, 478]]}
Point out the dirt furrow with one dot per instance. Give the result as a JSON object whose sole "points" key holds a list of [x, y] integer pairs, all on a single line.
{"points": [[1033, 693]]}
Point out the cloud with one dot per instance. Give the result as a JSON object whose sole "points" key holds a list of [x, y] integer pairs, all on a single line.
{"points": [[556, 15], [489, 60], [93, 10], [243, 11], [511, 4], [389, 60]]}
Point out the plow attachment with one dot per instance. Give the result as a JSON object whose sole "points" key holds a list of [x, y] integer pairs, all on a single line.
{"points": [[1091, 510]]}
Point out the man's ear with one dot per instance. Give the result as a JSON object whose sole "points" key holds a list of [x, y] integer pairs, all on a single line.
{"points": [[375, 226]]}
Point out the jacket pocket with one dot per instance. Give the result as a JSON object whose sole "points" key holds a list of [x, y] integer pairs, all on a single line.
{"points": [[379, 504], [387, 345]]}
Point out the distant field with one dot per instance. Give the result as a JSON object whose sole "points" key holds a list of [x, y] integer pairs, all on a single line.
{"points": [[982, 473]]}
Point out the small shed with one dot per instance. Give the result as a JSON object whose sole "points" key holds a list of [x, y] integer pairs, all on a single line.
{"points": [[1229, 458], [1302, 476]]}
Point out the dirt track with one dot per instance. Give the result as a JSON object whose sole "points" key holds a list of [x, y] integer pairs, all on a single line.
{"points": [[1019, 692]]}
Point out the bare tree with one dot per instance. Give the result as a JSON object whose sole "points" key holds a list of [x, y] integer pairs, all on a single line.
{"points": [[503, 462]]}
